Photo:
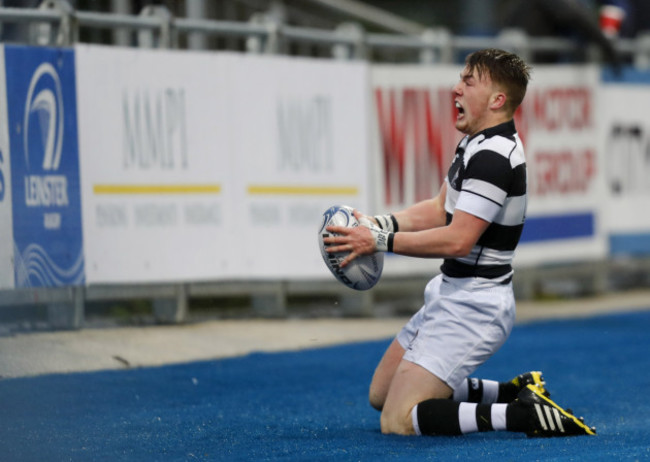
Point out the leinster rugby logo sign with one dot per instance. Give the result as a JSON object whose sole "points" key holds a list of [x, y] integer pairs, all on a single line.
{"points": [[44, 114], [45, 167]]}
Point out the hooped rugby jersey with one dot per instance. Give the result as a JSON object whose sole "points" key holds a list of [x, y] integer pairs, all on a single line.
{"points": [[487, 179]]}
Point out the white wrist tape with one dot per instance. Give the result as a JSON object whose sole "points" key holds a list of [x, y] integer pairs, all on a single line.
{"points": [[387, 222], [383, 238]]}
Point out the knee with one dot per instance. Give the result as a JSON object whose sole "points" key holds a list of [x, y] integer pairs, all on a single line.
{"points": [[396, 423], [376, 399]]}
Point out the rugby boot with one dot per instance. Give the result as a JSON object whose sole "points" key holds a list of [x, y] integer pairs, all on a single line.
{"points": [[533, 378], [546, 418]]}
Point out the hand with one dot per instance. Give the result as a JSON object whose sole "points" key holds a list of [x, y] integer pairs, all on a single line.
{"points": [[358, 240]]}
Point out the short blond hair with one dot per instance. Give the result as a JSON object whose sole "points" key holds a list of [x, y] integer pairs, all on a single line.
{"points": [[505, 69]]}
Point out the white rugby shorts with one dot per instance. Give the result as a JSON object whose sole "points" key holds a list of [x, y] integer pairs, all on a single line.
{"points": [[463, 322]]}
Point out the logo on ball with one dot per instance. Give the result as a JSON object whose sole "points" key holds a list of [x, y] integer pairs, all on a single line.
{"points": [[363, 272]]}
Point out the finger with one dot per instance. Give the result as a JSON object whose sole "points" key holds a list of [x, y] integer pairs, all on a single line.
{"points": [[338, 248], [361, 218], [330, 240], [364, 220], [338, 230], [347, 260]]}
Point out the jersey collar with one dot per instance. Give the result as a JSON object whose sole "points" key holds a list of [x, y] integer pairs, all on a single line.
{"points": [[504, 129]]}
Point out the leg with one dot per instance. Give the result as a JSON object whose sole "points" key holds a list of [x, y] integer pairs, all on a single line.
{"points": [[489, 391], [447, 339], [411, 385], [532, 413], [384, 375]]}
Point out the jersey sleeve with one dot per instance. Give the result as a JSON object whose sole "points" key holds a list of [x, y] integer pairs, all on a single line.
{"points": [[484, 190]]}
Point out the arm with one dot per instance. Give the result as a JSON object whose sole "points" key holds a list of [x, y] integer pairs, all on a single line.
{"points": [[452, 241], [424, 215], [425, 236]]}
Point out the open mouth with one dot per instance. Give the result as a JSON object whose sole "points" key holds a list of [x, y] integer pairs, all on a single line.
{"points": [[460, 109]]}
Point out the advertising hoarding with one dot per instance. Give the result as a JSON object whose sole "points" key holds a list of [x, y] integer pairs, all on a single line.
{"points": [[215, 166], [156, 171], [6, 216], [559, 125], [300, 144], [625, 137], [42, 119]]}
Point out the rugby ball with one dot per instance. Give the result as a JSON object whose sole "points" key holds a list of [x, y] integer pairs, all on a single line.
{"points": [[363, 272]]}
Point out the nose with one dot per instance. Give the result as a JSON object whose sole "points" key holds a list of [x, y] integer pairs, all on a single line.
{"points": [[457, 90]]}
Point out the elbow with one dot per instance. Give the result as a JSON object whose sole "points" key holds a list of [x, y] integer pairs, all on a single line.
{"points": [[461, 249]]}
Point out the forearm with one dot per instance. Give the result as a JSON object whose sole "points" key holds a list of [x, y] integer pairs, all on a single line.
{"points": [[452, 241], [424, 215], [431, 243]]}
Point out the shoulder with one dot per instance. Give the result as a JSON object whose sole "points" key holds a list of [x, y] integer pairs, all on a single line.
{"points": [[502, 148], [503, 145]]}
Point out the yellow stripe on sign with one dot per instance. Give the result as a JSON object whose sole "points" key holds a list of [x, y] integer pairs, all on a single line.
{"points": [[144, 189], [287, 190]]}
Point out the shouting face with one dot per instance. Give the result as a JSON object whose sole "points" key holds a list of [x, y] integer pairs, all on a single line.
{"points": [[476, 98]]}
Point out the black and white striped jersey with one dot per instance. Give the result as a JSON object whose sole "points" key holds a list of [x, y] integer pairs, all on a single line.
{"points": [[487, 179]]}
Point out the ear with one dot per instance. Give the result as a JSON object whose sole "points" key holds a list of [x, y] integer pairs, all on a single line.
{"points": [[497, 100]]}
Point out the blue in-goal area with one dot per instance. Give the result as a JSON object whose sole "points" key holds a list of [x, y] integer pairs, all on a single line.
{"points": [[312, 405]]}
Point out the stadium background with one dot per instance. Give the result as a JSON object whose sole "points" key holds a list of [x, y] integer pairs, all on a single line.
{"points": [[149, 181]]}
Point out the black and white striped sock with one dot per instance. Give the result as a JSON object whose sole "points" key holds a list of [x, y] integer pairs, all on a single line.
{"points": [[447, 417], [478, 391]]}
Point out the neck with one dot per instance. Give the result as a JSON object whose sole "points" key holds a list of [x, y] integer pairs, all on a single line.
{"points": [[496, 119]]}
